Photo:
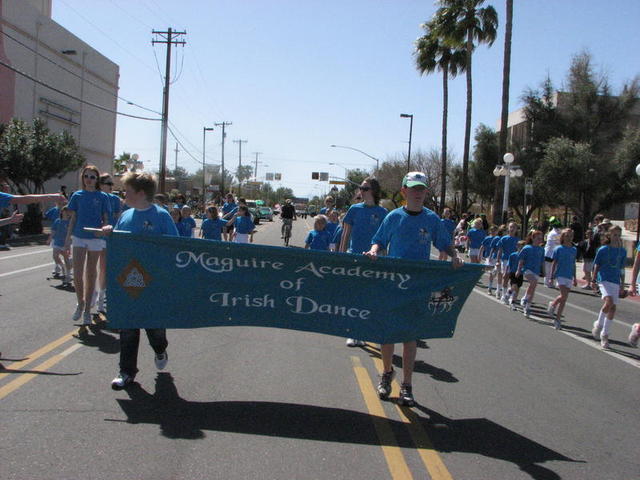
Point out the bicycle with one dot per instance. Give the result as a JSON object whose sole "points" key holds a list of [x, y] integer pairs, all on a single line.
{"points": [[287, 233]]}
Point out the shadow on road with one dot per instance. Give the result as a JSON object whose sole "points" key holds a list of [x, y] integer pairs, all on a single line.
{"points": [[180, 418], [95, 336]]}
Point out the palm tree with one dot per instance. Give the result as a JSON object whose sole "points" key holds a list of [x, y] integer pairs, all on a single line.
{"points": [[464, 22], [432, 53]]}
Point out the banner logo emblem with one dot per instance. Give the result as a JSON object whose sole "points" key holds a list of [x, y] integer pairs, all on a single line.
{"points": [[134, 279], [442, 301]]}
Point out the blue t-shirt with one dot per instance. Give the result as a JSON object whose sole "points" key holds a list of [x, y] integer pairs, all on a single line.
{"points": [[116, 207], [212, 229], [449, 226], [533, 256], [90, 208], [244, 224], [508, 244], [486, 246], [5, 199], [566, 261], [610, 261], [409, 236], [513, 262], [364, 222], [188, 224], [59, 229], [331, 228], [155, 220], [337, 237], [229, 207], [476, 236], [52, 214], [318, 239], [495, 242]]}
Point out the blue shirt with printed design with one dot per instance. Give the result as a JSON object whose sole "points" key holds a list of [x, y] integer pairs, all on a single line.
{"points": [[365, 221], [212, 229], [318, 239], [90, 208], [566, 261], [610, 261], [533, 256], [476, 236], [154, 220], [408, 235]]}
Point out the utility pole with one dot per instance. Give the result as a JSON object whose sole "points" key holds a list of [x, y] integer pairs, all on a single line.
{"points": [[176, 164], [239, 142], [169, 38], [255, 172], [224, 135]]}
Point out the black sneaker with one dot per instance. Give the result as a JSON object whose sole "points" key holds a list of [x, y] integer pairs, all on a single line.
{"points": [[406, 396], [123, 380], [384, 386]]}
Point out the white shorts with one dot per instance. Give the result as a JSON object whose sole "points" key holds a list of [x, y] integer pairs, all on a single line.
{"points": [[564, 282], [587, 266], [505, 266], [474, 252], [91, 244], [241, 238], [531, 277], [610, 289]]}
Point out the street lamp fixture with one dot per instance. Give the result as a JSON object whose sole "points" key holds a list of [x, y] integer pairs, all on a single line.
{"points": [[204, 192], [409, 115], [507, 170], [358, 150]]}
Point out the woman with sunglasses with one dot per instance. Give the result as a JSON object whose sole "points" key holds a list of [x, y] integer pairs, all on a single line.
{"points": [[90, 208], [360, 225]]}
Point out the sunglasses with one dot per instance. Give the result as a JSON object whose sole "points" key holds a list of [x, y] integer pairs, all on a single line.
{"points": [[90, 177], [364, 189]]}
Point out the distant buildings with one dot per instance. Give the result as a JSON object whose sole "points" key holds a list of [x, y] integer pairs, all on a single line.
{"points": [[31, 42]]}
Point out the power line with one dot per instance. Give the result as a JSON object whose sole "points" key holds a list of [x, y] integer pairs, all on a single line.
{"points": [[100, 107]]}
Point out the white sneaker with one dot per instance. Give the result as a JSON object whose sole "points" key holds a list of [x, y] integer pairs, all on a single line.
{"points": [[87, 319], [557, 324], [551, 309], [78, 313], [595, 332], [634, 335], [121, 381], [352, 342], [523, 302], [512, 303], [604, 341], [161, 360]]}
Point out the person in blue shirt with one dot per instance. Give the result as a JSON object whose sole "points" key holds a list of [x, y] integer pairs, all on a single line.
{"points": [[176, 216], [145, 218], [319, 238], [505, 247], [328, 205], [360, 224], [53, 214], [449, 226], [229, 208], [515, 280], [90, 208], [475, 237], [187, 221], [243, 224], [531, 266], [408, 232], [608, 268], [213, 226], [57, 238], [489, 250], [333, 221], [337, 236], [563, 270]]}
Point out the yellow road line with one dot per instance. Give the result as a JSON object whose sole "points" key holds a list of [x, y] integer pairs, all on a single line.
{"points": [[430, 457], [44, 366], [40, 352], [393, 454]]}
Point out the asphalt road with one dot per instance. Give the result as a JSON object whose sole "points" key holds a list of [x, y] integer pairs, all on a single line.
{"points": [[506, 398]]}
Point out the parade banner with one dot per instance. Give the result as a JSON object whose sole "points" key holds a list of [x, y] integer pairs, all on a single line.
{"points": [[177, 282]]}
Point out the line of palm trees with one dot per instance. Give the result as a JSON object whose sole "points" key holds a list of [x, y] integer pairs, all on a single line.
{"points": [[447, 46]]}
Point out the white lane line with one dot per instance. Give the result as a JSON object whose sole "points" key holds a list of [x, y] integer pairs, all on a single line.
{"points": [[71, 349], [589, 342], [25, 254], [26, 269]]}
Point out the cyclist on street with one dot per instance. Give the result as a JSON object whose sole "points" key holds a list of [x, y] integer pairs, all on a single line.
{"points": [[288, 215]]}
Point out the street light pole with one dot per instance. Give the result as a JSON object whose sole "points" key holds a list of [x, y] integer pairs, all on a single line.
{"points": [[409, 115], [364, 153], [204, 171], [507, 170]]}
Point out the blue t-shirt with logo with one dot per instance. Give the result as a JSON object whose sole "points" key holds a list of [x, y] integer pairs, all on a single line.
{"points": [[318, 239], [59, 229], [610, 261], [476, 236], [566, 261], [90, 208], [533, 256], [52, 214], [244, 224], [188, 224], [513, 262], [154, 220], [486, 246], [212, 229], [365, 221], [508, 244], [409, 234]]}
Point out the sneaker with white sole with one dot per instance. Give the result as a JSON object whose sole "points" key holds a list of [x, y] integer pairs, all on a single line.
{"points": [[123, 380], [634, 335], [604, 341], [161, 360], [406, 396], [78, 313], [505, 299], [384, 385], [87, 319], [352, 342], [512, 303], [595, 331]]}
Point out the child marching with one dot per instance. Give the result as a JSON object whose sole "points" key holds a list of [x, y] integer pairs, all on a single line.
{"points": [[563, 270], [57, 238], [531, 266], [319, 238], [475, 237], [506, 246], [213, 226], [515, 279]]}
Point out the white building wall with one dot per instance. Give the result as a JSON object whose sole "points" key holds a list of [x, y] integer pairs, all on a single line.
{"points": [[89, 76]]}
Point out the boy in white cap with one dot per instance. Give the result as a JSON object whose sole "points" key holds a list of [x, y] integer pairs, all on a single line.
{"points": [[407, 232]]}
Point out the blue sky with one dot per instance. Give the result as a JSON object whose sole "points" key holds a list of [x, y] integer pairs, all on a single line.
{"points": [[297, 76]]}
